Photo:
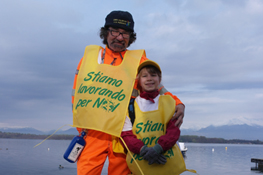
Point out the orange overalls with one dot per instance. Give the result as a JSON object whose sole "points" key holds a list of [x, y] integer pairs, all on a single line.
{"points": [[98, 144]]}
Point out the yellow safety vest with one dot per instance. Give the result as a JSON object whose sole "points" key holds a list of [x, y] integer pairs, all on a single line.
{"points": [[103, 91], [148, 127]]}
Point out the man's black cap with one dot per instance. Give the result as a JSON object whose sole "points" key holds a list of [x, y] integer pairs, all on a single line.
{"points": [[120, 19]]}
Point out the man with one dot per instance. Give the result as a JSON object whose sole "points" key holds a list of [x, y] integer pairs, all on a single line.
{"points": [[92, 79]]}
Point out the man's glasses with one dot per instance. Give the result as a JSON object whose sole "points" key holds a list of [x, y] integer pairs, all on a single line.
{"points": [[116, 33]]}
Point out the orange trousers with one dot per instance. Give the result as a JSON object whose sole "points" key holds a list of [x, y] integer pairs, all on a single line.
{"points": [[98, 148]]}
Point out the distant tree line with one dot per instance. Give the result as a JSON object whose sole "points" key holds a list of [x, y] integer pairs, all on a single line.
{"points": [[10, 135], [202, 139], [183, 138]]}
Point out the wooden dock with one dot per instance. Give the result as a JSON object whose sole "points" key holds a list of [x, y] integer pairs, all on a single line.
{"points": [[259, 163]]}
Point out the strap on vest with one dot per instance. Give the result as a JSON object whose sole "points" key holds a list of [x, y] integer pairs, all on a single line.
{"points": [[131, 110], [162, 89], [135, 93], [73, 92]]}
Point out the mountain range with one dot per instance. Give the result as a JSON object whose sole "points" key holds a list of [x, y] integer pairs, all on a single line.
{"points": [[244, 131]]}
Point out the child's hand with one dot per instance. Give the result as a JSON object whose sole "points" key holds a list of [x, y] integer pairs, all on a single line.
{"points": [[144, 150], [153, 155]]}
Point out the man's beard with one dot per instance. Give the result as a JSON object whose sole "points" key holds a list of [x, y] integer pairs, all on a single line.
{"points": [[117, 46]]}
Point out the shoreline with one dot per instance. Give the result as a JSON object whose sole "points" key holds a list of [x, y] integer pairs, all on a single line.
{"points": [[183, 138]]}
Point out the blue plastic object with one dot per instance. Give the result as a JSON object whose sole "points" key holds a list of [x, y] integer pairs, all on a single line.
{"points": [[75, 148]]}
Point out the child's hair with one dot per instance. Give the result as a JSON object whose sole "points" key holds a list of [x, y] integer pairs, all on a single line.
{"points": [[152, 70]]}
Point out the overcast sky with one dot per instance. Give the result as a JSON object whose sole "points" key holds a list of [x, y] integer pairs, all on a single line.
{"points": [[211, 54]]}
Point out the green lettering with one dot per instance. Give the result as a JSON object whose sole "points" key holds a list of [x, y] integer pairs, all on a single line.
{"points": [[118, 83], [97, 89], [87, 79], [154, 127], [102, 79], [108, 91], [110, 80], [132, 158], [80, 88], [98, 102], [97, 74], [139, 127], [146, 140], [116, 94], [113, 108], [99, 77], [121, 97], [152, 139], [78, 104], [147, 124], [82, 103], [86, 89], [91, 89], [136, 157], [102, 91], [88, 102], [160, 127]]}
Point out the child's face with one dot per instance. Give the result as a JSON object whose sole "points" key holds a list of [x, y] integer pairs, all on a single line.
{"points": [[149, 81]]}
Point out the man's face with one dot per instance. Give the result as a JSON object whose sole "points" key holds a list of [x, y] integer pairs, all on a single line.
{"points": [[117, 42]]}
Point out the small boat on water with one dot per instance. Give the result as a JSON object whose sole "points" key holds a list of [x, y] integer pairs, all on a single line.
{"points": [[182, 147]]}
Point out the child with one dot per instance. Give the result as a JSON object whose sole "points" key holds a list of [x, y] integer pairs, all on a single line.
{"points": [[153, 135]]}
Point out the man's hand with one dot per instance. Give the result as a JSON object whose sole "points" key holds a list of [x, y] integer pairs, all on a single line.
{"points": [[179, 115]]}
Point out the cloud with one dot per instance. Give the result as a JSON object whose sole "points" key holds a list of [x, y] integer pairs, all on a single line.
{"points": [[210, 53], [219, 107], [218, 45]]}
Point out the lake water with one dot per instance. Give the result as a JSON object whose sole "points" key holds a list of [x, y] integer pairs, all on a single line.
{"points": [[18, 157]]}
